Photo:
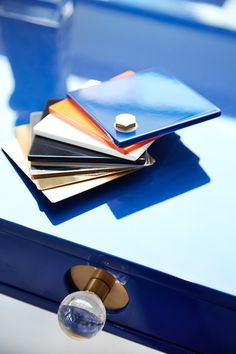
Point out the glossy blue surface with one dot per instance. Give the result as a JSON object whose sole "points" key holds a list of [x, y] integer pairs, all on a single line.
{"points": [[187, 233], [161, 312], [160, 103], [174, 223]]}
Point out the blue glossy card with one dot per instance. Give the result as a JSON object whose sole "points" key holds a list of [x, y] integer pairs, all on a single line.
{"points": [[160, 103]]}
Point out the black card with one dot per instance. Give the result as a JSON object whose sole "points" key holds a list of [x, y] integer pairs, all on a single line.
{"points": [[49, 103], [44, 151]]}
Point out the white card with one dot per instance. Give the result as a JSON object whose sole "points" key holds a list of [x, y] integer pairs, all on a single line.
{"points": [[54, 128]]}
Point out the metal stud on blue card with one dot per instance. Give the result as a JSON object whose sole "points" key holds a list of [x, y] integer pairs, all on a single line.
{"points": [[160, 104]]}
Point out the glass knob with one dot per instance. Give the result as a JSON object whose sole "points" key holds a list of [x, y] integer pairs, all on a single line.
{"points": [[82, 314]]}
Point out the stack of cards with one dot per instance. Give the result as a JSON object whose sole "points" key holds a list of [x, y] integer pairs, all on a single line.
{"points": [[102, 131]]}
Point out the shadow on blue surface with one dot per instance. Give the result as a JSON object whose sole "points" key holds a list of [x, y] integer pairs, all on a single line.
{"points": [[176, 171]]}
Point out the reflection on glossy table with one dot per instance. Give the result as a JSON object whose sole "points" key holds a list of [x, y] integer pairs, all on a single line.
{"points": [[168, 232]]}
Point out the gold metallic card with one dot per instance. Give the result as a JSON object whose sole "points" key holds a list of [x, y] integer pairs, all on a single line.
{"points": [[52, 182], [44, 173], [13, 150], [61, 187]]}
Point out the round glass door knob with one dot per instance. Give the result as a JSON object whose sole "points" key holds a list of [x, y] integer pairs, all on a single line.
{"points": [[82, 314]]}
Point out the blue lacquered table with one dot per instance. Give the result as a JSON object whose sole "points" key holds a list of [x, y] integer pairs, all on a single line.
{"points": [[167, 233]]}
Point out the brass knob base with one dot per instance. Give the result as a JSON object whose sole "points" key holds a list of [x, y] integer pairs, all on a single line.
{"points": [[102, 283]]}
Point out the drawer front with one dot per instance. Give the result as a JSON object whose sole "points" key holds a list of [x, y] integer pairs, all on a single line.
{"points": [[155, 313]]}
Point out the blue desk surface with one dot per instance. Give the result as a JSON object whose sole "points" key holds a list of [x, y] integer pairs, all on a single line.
{"points": [[177, 217]]}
